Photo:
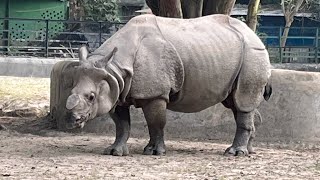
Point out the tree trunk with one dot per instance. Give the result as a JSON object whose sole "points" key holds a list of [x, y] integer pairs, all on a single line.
{"points": [[154, 6], [76, 11], [289, 12], [285, 33], [217, 7], [170, 8], [252, 16], [191, 8]]}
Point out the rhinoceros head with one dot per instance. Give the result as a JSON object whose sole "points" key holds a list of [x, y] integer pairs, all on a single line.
{"points": [[95, 92]]}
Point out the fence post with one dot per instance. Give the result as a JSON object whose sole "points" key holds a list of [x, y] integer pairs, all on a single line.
{"points": [[100, 33], [280, 48], [317, 45], [47, 38], [6, 32]]}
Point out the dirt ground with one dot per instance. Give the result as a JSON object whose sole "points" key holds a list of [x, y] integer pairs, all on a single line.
{"points": [[30, 148]]}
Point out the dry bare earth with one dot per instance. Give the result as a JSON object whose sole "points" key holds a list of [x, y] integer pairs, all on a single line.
{"points": [[47, 154]]}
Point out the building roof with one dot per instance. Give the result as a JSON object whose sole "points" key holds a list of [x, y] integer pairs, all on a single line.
{"points": [[241, 10], [267, 10]]}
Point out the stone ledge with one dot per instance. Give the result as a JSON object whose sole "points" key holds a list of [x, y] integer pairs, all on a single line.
{"points": [[28, 66]]}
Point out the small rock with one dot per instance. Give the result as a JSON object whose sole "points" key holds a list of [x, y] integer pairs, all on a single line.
{"points": [[6, 174], [33, 167]]}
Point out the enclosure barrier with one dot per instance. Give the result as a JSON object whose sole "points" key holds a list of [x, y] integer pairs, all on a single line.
{"points": [[302, 44], [52, 38], [62, 38]]}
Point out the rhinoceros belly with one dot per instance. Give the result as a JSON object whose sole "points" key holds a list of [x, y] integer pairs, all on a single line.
{"points": [[207, 82]]}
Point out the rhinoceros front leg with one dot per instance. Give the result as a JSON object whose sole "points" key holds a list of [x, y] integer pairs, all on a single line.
{"points": [[121, 118], [155, 114]]}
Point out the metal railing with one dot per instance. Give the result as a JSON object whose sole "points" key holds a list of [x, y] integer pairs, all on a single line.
{"points": [[62, 38], [302, 44], [52, 38]]}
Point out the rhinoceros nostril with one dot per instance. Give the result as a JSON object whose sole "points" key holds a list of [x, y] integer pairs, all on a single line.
{"points": [[82, 118]]}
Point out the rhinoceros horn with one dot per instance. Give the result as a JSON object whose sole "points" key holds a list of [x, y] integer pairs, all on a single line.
{"points": [[72, 101]]}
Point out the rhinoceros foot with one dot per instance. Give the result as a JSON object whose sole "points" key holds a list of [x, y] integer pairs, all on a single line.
{"points": [[155, 149], [236, 151], [117, 150]]}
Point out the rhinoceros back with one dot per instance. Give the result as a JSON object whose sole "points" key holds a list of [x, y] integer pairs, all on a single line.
{"points": [[212, 50]]}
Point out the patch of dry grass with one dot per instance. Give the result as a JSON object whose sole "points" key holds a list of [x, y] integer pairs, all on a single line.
{"points": [[20, 96], [24, 88]]}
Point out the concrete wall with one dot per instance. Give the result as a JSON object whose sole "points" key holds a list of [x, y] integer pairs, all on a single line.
{"points": [[292, 113], [41, 67], [27, 66]]}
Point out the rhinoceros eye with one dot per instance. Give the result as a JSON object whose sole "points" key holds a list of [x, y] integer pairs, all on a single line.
{"points": [[91, 97]]}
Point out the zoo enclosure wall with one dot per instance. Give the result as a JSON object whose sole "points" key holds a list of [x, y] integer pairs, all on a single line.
{"points": [[62, 38]]}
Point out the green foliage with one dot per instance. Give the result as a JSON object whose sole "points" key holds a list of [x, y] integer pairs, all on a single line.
{"points": [[101, 10]]}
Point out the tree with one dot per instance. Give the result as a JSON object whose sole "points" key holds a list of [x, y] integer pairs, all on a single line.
{"points": [[165, 8], [252, 15], [97, 10], [101, 10], [154, 6], [217, 7], [170, 8], [76, 11], [289, 9], [191, 8], [314, 7]]}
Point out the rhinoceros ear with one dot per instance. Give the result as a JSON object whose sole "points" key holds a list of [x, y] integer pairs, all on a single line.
{"points": [[102, 63], [72, 101], [83, 53]]}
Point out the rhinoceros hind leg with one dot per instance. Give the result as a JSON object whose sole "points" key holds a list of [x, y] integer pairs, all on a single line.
{"points": [[121, 118], [155, 114], [117, 150], [236, 151], [245, 128], [242, 143], [257, 123]]}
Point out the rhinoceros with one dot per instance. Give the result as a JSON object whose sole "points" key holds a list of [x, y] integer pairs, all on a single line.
{"points": [[184, 65]]}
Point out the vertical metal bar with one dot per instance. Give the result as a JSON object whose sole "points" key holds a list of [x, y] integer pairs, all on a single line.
{"points": [[317, 45], [280, 48], [100, 33], [47, 38], [6, 33]]}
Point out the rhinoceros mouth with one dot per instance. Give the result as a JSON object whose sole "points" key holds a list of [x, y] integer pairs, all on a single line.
{"points": [[81, 122], [77, 123]]}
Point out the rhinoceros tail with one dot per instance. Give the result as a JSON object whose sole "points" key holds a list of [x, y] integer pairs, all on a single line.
{"points": [[267, 91]]}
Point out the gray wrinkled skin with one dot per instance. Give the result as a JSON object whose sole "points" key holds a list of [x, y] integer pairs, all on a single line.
{"points": [[183, 65]]}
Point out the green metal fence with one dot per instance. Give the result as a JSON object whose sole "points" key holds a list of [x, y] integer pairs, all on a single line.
{"points": [[302, 44], [47, 41]]}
